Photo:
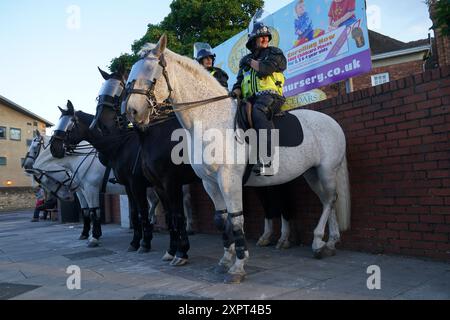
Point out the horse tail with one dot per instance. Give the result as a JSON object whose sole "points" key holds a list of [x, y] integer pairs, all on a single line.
{"points": [[343, 203]]}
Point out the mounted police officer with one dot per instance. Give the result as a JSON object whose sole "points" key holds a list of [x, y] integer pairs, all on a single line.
{"points": [[206, 58], [260, 83]]}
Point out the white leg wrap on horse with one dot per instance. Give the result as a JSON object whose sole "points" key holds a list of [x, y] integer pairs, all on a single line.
{"points": [[264, 240], [238, 267], [283, 242]]}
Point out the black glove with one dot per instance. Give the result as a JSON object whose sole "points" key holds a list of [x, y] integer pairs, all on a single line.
{"points": [[245, 62]]}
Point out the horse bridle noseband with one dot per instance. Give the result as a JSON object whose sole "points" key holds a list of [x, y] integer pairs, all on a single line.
{"points": [[162, 110], [40, 144], [158, 111]]}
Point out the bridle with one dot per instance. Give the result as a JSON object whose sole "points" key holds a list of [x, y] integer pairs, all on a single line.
{"points": [[113, 102], [161, 110], [39, 145], [47, 173], [71, 149]]}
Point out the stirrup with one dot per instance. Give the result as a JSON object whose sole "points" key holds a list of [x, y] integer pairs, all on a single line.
{"points": [[263, 169]]}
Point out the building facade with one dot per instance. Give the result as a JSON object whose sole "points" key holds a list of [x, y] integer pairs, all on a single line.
{"points": [[17, 127]]}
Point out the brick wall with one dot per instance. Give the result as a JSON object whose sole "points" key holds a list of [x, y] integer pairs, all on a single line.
{"points": [[396, 71], [17, 198], [398, 138]]}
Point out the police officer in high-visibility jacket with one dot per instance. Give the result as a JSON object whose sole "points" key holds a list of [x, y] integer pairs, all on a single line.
{"points": [[260, 82], [207, 58]]}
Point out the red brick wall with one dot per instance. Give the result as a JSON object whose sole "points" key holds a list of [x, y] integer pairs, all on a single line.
{"points": [[396, 71], [398, 138], [112, 208]]}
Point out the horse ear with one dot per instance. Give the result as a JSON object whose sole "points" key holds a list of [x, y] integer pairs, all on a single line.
{"points": [[104, 74], [70, 107], [61, 109], [161, 46], [38, 134]]}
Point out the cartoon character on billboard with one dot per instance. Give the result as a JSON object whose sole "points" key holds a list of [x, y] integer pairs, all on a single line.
{"points": [[341, 13], [303, 25]]}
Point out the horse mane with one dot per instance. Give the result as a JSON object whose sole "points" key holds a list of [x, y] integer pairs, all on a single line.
{"points": [[85, 117], [192, 65]]}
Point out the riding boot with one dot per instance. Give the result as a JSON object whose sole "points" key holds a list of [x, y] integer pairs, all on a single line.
{"points": [[263, 110]]}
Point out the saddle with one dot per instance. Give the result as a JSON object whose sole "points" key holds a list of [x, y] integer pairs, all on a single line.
{"points": [[290, 129]]}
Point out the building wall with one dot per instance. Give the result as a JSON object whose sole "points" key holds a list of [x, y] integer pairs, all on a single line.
{"points": [[396, 71], [398, 149], [14, 151]]}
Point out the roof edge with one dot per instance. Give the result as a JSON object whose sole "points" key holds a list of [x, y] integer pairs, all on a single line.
{"points": [[402, 52], [27, 112]]}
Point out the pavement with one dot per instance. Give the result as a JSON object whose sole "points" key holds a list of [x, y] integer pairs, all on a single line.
{"points": [[34, 259]]}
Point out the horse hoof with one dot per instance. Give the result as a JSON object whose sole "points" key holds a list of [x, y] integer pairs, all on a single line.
{"points": [[132, 249], [318, 254], [83, 237], [234, 278], [328, 252], [167, 257], [93, 244], [324, 252], [143, 250], [178, 262], [283, 245], [221, 269], [263, 243]]}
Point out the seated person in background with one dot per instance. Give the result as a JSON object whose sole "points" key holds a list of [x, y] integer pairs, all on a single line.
{"points": [[40, 200], [48, 203]]}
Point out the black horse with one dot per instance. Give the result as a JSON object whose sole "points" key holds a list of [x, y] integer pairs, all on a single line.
{"points": [[155, 147], [118, 150]]}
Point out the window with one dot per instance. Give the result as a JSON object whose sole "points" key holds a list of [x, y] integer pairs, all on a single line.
{"points": [[35, 123], [28, 123], [2, 161], [15, 134], [380, 78], [2, 132], [29, 141]]}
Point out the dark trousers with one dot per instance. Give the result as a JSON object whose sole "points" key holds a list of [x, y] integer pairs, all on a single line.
{"points": [[264, 107], [36, 213]]}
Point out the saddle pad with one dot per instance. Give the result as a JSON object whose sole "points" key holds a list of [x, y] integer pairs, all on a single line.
{"points": [[290, 129]]}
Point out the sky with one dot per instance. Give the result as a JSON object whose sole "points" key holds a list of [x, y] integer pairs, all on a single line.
{"points": [[50, 49]]}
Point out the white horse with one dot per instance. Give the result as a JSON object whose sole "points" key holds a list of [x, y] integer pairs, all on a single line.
{"points": [[81, 174], [321, 158]]}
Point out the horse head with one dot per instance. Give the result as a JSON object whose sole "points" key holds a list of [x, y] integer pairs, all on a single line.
{"points": [[143, 89], [64, 136], [33, 151], [109, 99]]}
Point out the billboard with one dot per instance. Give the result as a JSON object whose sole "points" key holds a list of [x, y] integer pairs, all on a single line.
{"points": [[325, 41]]}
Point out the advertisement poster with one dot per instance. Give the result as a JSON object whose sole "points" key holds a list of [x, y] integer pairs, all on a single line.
{"points": [[325, 41]]}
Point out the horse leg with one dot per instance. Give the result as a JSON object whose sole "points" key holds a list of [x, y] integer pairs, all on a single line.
{"points": [[183, 246], [323, 182], [187, 205], [165, 202], [137, 225], [281, 203], [86, 224], [283, 242], [139, 194], [230, 184], [96, 227], [263, 195], [334, 235], [221, 223]]}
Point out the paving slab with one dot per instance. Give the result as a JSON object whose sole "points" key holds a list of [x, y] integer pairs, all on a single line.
{"points": [[34, 259]]}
